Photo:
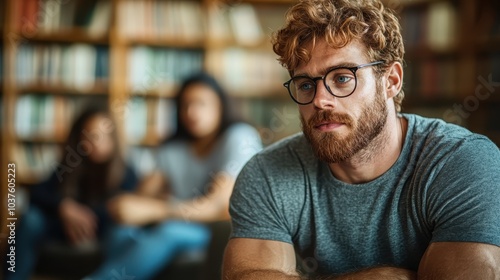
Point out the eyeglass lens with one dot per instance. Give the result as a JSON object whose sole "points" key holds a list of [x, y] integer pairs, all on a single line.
{"points": [[339, 82]]}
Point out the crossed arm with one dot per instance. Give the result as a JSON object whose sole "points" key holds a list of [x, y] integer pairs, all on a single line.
{"points": [[266, 259], [150, 203]]}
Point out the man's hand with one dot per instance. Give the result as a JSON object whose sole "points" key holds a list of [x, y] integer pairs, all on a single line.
{"points": [[132, 209], [79, 221]]}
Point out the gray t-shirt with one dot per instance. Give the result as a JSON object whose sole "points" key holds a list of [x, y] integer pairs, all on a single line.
{"points": [[189, 176], [444, 186]]}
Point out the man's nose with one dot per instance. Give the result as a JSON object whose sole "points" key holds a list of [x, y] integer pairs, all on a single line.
{"points": [[323, 98]]}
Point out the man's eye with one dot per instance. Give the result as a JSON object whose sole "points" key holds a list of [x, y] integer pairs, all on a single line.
{"points": [[306, 87], [342, 79]]}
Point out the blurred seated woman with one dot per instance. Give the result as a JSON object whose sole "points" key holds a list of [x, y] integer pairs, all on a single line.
{"points": [[197, 168], [70, 205]]}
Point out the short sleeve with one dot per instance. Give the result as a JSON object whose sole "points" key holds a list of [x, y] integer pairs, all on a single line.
{"points": [[464, 198], [241, 142], [253, 207]]}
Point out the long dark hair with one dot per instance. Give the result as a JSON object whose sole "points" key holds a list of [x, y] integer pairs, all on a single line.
{"points": [[227, 118], [86, 180]]}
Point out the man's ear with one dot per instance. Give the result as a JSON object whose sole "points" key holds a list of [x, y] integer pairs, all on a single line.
{"points": [[394, 80]]}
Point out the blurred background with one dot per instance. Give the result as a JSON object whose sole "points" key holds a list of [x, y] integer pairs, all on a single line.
{"points": [[57, 56]]}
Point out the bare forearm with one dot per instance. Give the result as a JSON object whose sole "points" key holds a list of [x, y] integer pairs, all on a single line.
{"points": [[260, 275], [157, 211], [152, 186], [203, 209], [134, 209], [378, 273]]}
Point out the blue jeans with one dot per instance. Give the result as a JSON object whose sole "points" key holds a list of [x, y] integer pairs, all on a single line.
{"points": [[143, 252], [35, 227]]}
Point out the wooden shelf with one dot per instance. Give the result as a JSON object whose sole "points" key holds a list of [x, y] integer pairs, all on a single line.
{"points": [[70, 35], [276, 93], [148, 142], [272, 94], [264, 45], [41, 140], [277, 96], [29, 181], [98, 89], [165, 42], [154, 94]]}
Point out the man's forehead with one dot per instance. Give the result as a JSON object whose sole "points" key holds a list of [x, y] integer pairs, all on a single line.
{"points": [[324, 56]]}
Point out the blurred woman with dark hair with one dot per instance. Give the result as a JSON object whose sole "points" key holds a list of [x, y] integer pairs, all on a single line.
{"points": [[71, 204], [197, 168]]}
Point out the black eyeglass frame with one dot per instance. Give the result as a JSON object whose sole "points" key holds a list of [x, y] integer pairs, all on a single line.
{"points": [[315, 79]]}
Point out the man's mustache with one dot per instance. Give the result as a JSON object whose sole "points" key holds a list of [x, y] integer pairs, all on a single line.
{"points": [[326, 116]]}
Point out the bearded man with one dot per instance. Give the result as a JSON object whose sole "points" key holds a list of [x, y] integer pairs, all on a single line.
{"points": [[365, 192]]}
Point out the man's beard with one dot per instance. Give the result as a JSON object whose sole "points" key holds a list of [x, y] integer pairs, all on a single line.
{"points": [[330, 146]]}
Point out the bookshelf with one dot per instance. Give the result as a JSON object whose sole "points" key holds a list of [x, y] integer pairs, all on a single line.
{"points": [[57, 56], [452, 50]]}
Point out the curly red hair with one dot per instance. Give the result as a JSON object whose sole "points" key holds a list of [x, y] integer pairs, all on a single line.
{"points": [[339, 22]]}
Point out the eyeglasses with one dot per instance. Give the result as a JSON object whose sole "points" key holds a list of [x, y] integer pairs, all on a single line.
{"points": [[340, 82]]}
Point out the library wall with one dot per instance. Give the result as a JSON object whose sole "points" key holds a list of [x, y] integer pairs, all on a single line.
{"points": [[132, 55], [452, 62]]}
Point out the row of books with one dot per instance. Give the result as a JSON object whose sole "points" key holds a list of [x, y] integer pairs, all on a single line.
{"points": [[244, 72], [434, 26], [45, 116], [161, 19], [447, 78], [34, 161], [49, 117], [160, 69], [432, 79], [149, 120], [488, 22], [236, 23], [82, 66], [78, 66], [187, 21], [46, 16]]}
